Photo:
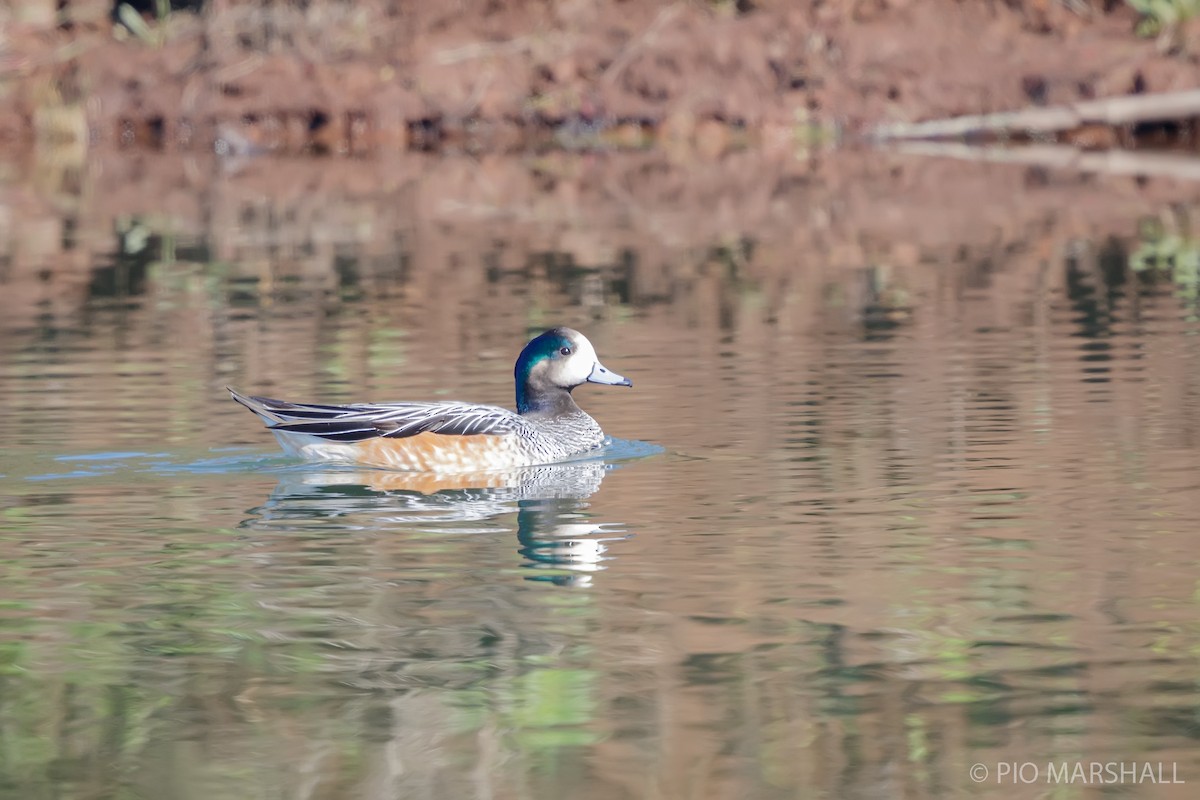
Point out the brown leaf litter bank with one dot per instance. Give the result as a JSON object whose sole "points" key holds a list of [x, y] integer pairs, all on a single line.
{"points": [[504, 75]]}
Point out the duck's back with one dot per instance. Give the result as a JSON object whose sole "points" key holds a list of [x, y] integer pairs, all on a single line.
{"points": [[430, 437]]}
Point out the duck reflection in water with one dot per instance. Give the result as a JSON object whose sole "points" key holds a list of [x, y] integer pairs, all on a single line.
{"points": [[557, 538], [564, 543]]}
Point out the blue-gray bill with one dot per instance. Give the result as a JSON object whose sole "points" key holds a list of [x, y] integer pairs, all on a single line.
{"points": [[601, 374]]}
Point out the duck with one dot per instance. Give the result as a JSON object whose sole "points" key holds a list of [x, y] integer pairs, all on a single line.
{"points": [[455, 437]]}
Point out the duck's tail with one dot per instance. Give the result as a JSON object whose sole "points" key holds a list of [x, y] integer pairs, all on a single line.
{"points": [[275, 412], [280, 414], [266, 408]]}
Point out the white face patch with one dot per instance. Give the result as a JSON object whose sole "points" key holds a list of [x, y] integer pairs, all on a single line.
{"points": [[576, 368]]}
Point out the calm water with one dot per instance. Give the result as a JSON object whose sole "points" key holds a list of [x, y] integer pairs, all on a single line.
{"points": [[903, 485]]}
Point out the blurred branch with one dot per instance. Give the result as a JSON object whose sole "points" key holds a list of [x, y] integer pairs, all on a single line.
{"points": [[640, 41], [475, 50], [1108, 111], [1112, 162]]}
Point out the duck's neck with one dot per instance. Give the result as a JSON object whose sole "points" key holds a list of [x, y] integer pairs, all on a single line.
{"points": [[538, 399]]}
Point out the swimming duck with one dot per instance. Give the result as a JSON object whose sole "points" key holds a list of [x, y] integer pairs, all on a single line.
{"points": [[450, 437]]}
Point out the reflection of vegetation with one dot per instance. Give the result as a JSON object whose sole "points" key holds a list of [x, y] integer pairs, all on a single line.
{"points": [[553, 707], [212, 663], [321, 649], [1171, 253], [198, 653], [885, 303]]}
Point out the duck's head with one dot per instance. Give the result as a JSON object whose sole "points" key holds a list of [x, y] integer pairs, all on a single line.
{"points": [[553, 364]]}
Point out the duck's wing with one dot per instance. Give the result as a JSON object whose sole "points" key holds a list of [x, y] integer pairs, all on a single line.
{"points": [[359, 421]]}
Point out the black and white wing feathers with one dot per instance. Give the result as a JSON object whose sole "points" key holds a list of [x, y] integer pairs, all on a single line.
{"points": [[360, 421]]}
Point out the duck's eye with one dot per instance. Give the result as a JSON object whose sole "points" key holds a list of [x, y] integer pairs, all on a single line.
{"points": [[566, 351]]}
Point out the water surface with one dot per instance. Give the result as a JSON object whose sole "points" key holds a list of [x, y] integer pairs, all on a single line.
{"points": [[890, 497]]}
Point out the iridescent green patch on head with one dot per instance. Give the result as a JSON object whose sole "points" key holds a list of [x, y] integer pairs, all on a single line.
{"points": [[548, 345], [554, 343]]}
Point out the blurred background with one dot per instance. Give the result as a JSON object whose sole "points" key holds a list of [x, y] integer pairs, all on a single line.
{"points": [[907, 481], [336, 77]]}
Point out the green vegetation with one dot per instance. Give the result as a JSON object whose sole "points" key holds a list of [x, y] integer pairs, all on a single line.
{"points": [[1163, 17], [1175, 254], [132, 19]]}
